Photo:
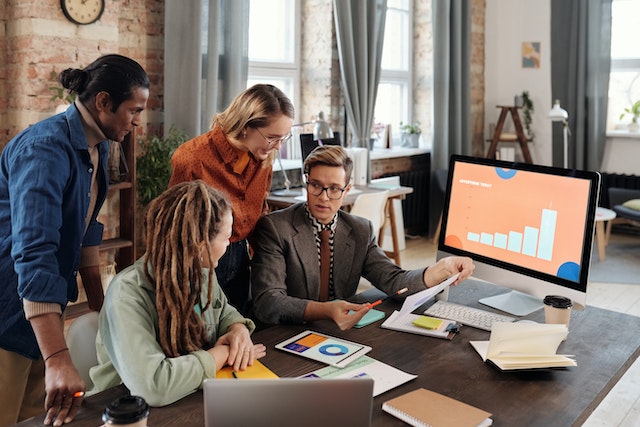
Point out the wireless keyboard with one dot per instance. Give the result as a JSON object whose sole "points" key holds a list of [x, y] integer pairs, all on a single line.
{"points": [[469, 316]]}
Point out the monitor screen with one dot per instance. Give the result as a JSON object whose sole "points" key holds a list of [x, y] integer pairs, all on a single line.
{"points": [[527, 227], [308, 143]]}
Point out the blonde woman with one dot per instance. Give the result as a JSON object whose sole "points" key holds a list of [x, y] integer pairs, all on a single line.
{"points": [[165, 325], [236, 157]]}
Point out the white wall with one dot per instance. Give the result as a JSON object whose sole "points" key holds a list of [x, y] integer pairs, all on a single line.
{"points": [[508, 23]]}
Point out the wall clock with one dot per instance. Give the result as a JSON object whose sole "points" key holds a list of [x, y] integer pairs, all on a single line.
{"points": [[82, 12]]}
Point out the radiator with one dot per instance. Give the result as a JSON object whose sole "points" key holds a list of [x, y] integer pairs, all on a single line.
{"points": [[415, 207], [614, 180]]}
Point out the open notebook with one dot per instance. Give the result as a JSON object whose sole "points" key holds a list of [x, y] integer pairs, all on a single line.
{"points": [[283, 402]]}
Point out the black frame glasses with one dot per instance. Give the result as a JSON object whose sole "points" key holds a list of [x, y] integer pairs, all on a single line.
{"points": [[275, 141], [333, 192]]}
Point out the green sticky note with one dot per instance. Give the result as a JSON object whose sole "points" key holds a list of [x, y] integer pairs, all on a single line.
{"points": [[372, 315], [427, 322]]}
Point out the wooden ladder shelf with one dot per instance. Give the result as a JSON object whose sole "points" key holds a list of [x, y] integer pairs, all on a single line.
{"points": [[520, 137]]}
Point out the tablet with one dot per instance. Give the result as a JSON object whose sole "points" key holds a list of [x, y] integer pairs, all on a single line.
{"points": [[323, 348]]}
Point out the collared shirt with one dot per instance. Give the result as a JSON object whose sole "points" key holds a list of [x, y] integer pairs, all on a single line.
{"points": [[45, 191], [317, 228], [212, 158]]}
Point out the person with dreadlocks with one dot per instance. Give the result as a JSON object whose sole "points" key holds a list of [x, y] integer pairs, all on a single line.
{"points": [[165, 324]]}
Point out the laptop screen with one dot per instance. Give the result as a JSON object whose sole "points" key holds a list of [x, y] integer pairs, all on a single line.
{"points": [[309, 402]]}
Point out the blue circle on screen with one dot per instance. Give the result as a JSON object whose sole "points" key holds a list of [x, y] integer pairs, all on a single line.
{"points": [[506, 173], [569, 271], [333, 350]]}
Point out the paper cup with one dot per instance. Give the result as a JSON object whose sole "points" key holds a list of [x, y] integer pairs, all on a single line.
{"points": [[557, 309]]}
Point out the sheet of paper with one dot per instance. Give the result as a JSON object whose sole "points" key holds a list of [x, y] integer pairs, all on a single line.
{"points": [[416, 300], [385, 377]]}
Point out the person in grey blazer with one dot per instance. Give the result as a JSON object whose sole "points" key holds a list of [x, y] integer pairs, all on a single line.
{"points": [[285, 269]]}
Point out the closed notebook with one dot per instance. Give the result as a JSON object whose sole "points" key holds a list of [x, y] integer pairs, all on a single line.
{"points": [[423, 407], [257, 370]]}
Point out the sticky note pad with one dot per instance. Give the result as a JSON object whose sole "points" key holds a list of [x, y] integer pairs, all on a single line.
{"points": [[372, 315], [427, 322]]}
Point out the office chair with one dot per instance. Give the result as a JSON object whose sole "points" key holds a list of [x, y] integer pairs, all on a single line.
{"points": [[81, 340], [373, 207]]}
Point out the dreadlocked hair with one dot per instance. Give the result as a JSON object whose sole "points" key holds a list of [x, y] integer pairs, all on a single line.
{"points": [[177, 223]]}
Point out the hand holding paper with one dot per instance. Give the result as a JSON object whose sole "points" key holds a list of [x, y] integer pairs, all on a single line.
{"points": [[416, 300]]}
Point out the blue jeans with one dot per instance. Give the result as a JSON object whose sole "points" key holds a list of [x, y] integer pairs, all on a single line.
{"points": [[233, 276]]}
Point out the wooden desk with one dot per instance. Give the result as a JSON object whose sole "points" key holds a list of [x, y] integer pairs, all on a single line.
{"points": [[279, 202], [605, 344]]}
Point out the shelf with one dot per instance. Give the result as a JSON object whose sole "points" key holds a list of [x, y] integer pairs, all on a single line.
{"points": [[115, 243]]}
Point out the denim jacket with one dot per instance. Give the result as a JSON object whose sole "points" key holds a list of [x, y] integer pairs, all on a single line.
{"points": [[45, 180]]}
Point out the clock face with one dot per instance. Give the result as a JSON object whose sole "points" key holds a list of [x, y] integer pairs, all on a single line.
{"points": [[82, 11]]}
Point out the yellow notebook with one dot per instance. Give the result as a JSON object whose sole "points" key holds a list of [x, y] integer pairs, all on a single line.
{"points": [[257, 370], [423, 407]]}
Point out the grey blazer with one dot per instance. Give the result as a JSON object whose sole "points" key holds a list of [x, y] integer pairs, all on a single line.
{"points": [[285, 272]]}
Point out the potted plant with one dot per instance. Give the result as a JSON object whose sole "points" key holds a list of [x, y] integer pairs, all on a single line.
{"points": [[634, 110], [410, 134], [153, 167], [61, 94], [527, 111]]}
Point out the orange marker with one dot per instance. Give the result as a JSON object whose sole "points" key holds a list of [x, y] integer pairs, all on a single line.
{"points": [[373, 304]]}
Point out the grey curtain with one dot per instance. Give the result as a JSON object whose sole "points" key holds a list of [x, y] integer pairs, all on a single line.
{"points": [[360, 36], [580, 66], [451, 80], [451, 93], [206, 60]]}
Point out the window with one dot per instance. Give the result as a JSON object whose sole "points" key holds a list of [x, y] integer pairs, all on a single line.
{"points": [[274, 45], [624, 80], [393, 104]]}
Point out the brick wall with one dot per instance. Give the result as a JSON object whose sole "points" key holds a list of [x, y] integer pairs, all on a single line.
{"points": [[36, 39]]}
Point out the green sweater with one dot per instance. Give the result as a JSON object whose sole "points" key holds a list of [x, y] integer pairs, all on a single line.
{"points": [[128, 348]]}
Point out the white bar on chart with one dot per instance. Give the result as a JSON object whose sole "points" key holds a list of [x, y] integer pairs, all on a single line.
{"points": [[530, 241], [515, 241], [486, 238], [500, 240], [547, 233]]}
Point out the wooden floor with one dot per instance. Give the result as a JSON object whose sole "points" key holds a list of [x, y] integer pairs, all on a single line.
{"points": [[621, 407]]}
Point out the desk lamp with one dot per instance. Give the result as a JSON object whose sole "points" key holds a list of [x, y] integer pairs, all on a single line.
{"points": [[286, 191], [558, 114]]}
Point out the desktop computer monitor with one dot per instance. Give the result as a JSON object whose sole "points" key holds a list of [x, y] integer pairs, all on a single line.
{"points": [[527, 227], [307, 143]]}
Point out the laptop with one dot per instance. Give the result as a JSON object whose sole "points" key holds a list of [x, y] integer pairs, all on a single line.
{"points": [[284, 402]]}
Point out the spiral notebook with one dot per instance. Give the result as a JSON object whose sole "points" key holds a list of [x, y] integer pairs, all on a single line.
{"points": [[425, 408]]}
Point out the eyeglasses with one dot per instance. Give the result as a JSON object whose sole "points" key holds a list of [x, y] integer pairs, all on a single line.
{"points": [[333, 192], [275, 141]]}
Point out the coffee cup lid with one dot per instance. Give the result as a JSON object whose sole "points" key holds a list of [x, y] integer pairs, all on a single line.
{"points": [[557, 301], [126, 410]]}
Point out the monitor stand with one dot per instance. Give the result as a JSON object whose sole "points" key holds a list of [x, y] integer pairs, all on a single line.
{"points": [[514, 302]]}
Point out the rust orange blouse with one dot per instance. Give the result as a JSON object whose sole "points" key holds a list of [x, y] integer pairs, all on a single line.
{"points": [[244, 179]]}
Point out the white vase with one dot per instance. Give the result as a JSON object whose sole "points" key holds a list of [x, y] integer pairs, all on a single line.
{"points": [[410, 140]]}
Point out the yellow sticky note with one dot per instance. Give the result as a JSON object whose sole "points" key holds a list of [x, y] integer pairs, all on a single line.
{"points": [[427, 322]]}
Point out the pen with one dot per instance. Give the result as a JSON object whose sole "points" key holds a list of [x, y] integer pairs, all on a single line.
{"points": [[373, 304]]}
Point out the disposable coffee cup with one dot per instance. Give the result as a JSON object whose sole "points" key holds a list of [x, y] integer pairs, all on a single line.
{"points": [[129, 411], [557, 309]]}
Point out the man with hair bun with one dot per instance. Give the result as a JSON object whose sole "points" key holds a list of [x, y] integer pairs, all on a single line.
{"points": [[53, 182]]}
